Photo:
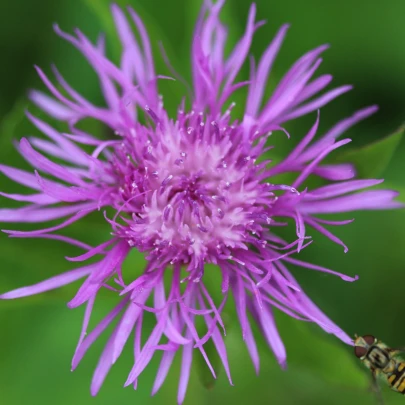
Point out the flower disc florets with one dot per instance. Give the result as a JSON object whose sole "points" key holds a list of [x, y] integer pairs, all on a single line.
{"points": [[192, 189]]}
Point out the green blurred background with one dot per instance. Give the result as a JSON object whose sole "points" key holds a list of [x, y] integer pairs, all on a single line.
{"points": [[39, 334]]}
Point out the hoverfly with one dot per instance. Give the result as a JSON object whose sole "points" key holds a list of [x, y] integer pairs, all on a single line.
{"points": [[382, 361]]}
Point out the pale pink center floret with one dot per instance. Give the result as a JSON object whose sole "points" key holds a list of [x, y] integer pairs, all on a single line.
{"points": [[193, 192]]}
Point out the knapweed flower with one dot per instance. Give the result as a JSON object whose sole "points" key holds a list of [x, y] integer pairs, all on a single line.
{"points": [[189, 190]]}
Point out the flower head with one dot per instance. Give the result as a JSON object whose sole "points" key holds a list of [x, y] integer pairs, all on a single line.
{"points": [[189, 190]]}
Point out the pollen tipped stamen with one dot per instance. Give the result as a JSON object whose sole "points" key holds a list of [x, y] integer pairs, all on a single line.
{"points": [[202, 228], [153, 115], [166, 213], [216, 132], [166, 181]]}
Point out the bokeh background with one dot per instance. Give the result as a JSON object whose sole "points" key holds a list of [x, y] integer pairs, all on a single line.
{"points": [[38, 334]]}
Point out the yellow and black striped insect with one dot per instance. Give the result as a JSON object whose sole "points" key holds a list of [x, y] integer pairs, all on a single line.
{"points": [[382, 361]]}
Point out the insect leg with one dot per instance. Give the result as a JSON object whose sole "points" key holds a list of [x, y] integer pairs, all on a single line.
{"points": [[397, 350], [376, 388]]}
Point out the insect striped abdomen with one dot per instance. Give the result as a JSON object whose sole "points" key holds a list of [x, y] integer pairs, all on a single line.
{"points": [[397, 378]]}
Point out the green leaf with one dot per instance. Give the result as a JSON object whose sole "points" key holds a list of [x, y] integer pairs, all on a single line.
{"points": [[321, 370], [205, 376], [102, 12], [204, 373], [10, 123], [313, 351], [371, 160]]}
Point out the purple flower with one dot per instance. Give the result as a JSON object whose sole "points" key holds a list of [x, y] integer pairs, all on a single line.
{"points": [[187, 191]]}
